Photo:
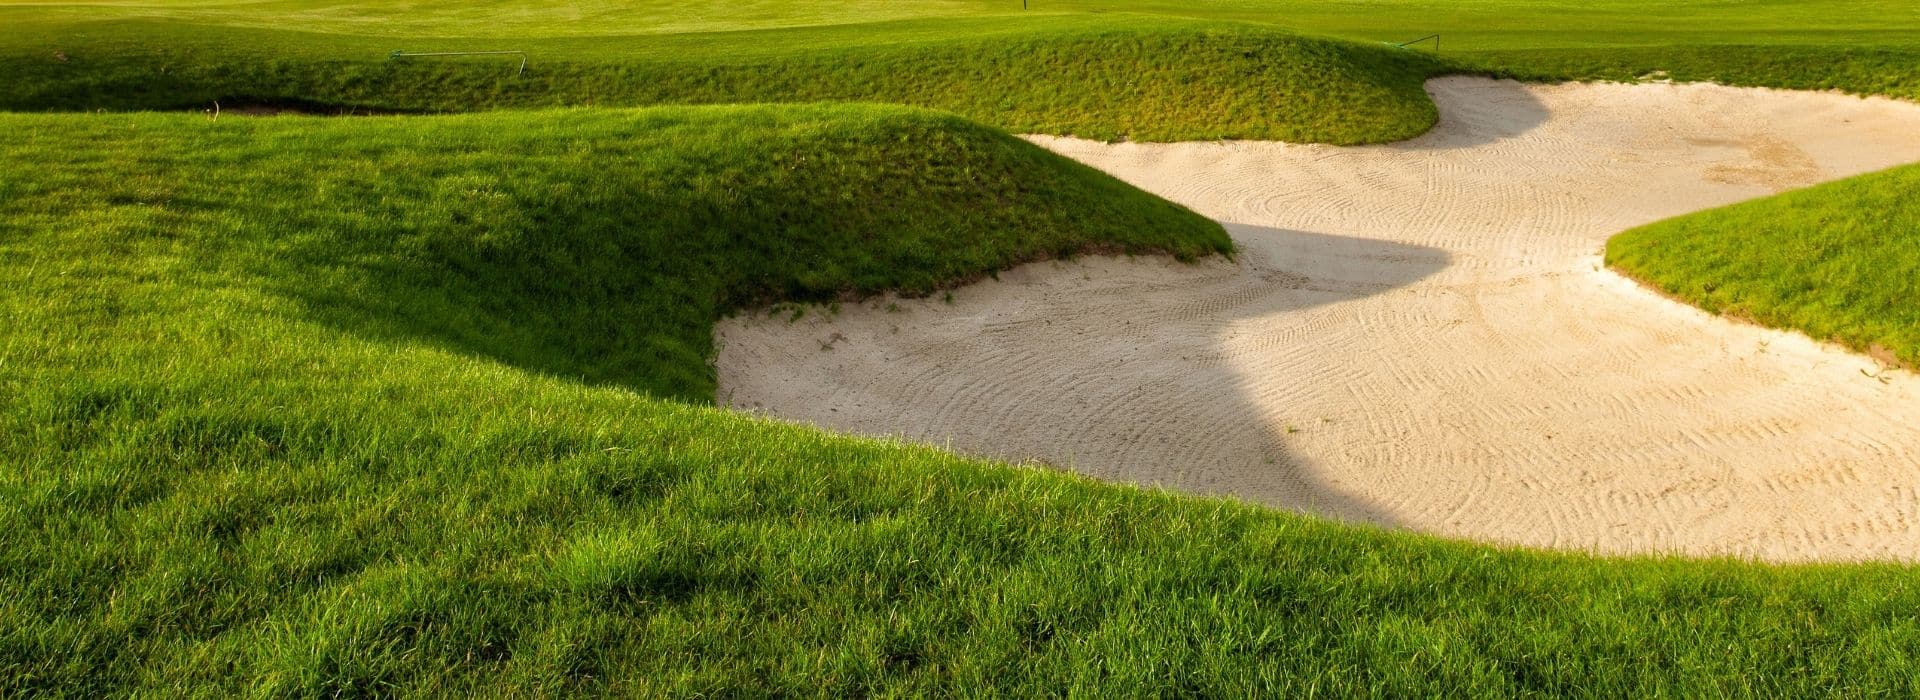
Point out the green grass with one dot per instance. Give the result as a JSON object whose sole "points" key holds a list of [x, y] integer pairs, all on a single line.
{"points": [[1107, 79], [309, 406], [1840, 261], [1478, 25], [1143, 70]]}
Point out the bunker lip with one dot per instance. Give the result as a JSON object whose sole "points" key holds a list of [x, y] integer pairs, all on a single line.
{"points": [[1420, 335]]}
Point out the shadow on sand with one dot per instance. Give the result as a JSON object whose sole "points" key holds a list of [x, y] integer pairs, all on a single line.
{"points": [[1311, 271], [1142, 375], [1476, 112]]}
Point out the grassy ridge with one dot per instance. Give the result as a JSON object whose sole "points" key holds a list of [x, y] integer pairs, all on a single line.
{"points": [[1839, 261], [1108, 79], [282, 412]]}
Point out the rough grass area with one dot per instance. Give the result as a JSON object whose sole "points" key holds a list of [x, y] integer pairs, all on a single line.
{"points": [[1839, 262], [1108, 79], [347, 407]]}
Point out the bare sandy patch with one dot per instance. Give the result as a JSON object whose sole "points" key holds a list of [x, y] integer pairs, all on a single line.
{"points": [[1419, 335]]}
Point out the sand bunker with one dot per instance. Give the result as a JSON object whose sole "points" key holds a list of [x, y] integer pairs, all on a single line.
{"points": [[1419, 335]]}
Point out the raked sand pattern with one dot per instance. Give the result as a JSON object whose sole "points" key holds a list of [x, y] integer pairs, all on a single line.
{"points": [[1419, 335]]}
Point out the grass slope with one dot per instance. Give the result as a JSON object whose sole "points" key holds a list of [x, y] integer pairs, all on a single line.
{"points": [[1839, 261], [367, 406]]}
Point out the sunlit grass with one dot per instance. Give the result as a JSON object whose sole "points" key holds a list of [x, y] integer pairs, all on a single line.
{"points": [[1840, 261]]}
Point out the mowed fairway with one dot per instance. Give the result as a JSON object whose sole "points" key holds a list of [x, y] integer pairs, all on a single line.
{"points": [[1137, 70], [423, 403], [1420, 335]]}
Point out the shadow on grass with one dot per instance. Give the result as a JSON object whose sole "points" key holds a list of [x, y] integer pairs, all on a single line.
{"points": [[582, 295]]}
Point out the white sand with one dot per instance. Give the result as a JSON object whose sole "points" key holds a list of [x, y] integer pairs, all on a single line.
{"points": [[1419, 335]]}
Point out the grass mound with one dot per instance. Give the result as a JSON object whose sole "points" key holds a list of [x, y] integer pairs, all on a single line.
{"points": [[1839, 261], [1107, 79], [593, 244], [322, 407]]}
